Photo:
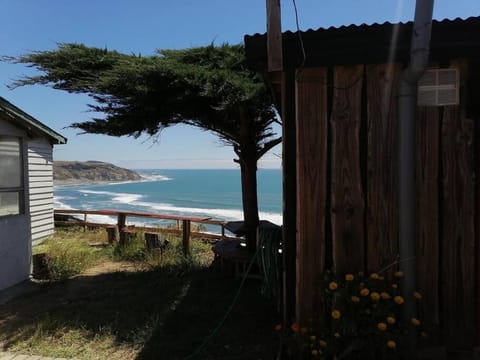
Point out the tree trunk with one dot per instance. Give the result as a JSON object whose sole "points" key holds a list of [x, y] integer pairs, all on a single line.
{"points": [[248, 169]]}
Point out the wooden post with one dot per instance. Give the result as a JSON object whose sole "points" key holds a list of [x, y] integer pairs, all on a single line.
{"points": [[121, 220], [113, 235], [289, 178], [274, 36], [155, 241], [223, 231], [186, 236]]}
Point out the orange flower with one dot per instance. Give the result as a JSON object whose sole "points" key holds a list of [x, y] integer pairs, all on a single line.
{"points": [[391, 344], [384, 295], [303, 330], [374, 276], [391, 320], [349, 277], [375, 296], [398, 274], [333, 285], [355, 299], [322, 343], [278, 327], [295, 328], [382, 326], [364, 292], [395, 286], [417, 295], [336, 314], [399, 300], [415, 322]]}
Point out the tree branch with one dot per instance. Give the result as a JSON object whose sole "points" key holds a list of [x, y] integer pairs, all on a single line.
{"points": [[267, 146]]}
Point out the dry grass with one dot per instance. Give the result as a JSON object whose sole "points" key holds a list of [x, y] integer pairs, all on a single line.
{"points": [[155, 307]]}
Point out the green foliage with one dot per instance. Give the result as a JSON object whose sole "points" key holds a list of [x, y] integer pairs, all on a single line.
{"points": [[66, 258]]}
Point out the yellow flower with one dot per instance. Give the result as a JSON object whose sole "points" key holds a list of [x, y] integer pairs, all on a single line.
{"points": [[355, 299], [391, 320], [374, 276], [395, 286], [415, 322], [381, 278], [314, 352], [364, 292], [349, 277], [399, 300], [337, 335], [313, 338], [333, 285], [336, 314], [417, 295], [323, 343], [375, 296], [382, 326], [398, 274], [360, 273], [384, 295], [361, 285], [391, 344]]}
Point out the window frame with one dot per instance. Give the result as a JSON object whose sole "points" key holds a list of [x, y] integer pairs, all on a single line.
{"points": [[20, 190]]}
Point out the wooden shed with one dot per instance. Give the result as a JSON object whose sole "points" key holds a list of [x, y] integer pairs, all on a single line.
{"points": [[337, 91], [26, 189]]}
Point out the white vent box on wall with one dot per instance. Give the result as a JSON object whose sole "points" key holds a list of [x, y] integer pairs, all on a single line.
{"points": [[439, 87]]}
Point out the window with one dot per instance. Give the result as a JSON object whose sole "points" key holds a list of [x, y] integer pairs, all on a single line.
{"points": [[11, 176]]}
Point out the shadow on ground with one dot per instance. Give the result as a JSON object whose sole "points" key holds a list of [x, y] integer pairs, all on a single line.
{"points": [[246, 333], [160, 314]]}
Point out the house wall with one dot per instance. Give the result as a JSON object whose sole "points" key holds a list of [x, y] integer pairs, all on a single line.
{"points": [[15, 237], [40, 177]]}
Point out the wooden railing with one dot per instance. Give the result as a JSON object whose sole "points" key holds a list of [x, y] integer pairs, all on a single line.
{"points": [[183, 223]]}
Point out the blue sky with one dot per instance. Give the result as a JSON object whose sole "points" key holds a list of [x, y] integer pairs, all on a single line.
{"points": [[141, 26]]}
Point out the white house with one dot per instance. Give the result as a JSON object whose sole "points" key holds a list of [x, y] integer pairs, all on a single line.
{"points": [[26, 189]]}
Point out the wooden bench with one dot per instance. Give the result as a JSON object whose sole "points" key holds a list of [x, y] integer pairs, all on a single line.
{"points": [[155, 241], [127, 235], [231, 253]]}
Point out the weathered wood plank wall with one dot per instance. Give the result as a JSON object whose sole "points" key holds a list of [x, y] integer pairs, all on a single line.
{"points": [[347, 190], [346, 177], [458, 237], [312, 132], [381, 199]]}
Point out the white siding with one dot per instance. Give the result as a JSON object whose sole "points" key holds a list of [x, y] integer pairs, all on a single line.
{"points": [[40, 177]]}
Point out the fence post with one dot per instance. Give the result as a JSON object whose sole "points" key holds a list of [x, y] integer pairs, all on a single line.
{"points": [[84, 222], [121, 220], [186, 236]]}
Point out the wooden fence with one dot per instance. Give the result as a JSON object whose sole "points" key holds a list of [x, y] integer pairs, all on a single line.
{"points": [[183, 224], [347, 216]]}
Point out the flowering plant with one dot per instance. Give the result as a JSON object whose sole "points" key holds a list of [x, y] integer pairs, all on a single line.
{"points": [[360, 320]]}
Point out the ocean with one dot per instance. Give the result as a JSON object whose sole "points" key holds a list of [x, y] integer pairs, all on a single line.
{"points": [[204, 193]]}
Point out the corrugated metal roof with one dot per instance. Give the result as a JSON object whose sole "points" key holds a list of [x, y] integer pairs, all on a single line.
{"points": [[20, 118], [354, 44]]}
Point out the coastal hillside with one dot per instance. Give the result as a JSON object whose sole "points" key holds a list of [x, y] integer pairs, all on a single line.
{"points": [[76, 172]]}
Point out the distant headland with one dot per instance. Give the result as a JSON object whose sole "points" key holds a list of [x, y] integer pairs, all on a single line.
{"points": [[81, 172]]}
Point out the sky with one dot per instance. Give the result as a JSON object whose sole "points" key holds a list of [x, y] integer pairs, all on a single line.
{"points": [[142, 26]]}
